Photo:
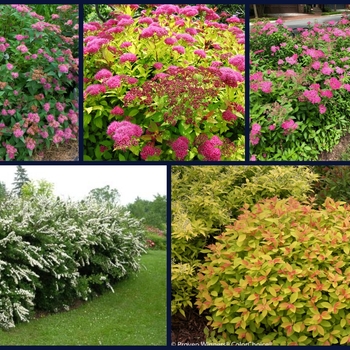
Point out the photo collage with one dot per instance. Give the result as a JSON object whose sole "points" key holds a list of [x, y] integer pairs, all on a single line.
{"points": [[174, 174]]}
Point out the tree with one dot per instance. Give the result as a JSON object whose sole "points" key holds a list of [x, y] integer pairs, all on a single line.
{"points": [[21, 177], [153, 212], [33, 189], [105, 195], [3, 190]]}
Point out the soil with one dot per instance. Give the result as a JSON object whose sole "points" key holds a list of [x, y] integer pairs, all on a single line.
{"points": [[338, 150], [189, 330], [68, 151]]}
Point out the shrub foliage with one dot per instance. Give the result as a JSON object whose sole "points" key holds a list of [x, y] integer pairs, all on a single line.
{"points": [[202, 209], [53, 253], [280, 274]]}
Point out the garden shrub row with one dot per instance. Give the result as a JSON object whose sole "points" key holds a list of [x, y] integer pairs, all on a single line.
{"points": [[55, 252], [299, 89], [202, 209], [38, 79], [166, 83]]}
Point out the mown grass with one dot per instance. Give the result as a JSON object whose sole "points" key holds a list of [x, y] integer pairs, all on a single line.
{"points": [[135, 314]]}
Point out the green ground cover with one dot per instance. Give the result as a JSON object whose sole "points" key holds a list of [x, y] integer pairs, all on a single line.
{"points": [[135, 314]]}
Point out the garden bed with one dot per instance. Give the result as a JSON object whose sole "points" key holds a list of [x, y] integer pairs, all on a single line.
{"points": [[300, 85], [164, 83]]}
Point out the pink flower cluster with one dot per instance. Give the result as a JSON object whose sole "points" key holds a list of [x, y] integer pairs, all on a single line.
{"points": [[149, 150], [255, 133], [210, 149], [124, 134], [180, 147]]}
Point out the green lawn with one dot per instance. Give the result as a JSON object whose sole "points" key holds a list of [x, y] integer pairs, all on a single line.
{"points": [[134, 315]]}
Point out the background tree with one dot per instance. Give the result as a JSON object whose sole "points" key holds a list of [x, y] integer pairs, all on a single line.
{"points": [[3, 190], [105, 194], [34, 189], [21, 177], [153, 212]]}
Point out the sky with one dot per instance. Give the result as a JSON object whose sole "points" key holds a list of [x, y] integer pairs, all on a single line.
{"points": [[76, 181]]}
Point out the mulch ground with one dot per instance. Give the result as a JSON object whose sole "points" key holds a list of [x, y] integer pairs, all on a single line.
{"points": [[189, 330], [67, 151]]}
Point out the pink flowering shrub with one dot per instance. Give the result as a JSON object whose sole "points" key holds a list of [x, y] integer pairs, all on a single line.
{"points": [[172, 79], [299, 90], [38, 79]]}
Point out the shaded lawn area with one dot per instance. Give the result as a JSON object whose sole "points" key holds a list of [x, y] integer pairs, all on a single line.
{"points": [[135, 314]]}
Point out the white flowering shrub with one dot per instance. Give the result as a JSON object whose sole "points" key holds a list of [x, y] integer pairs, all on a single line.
{"points": [[53, 252]]}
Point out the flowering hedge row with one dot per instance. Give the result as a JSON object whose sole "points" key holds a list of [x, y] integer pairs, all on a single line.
{"points": [[38, 79], [164, 84], [53, 253], [299, 89]]}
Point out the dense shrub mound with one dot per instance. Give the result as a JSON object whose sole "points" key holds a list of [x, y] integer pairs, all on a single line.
{"points": [[166, 83], [202, 209], [280, 275], [38, 80], [53, 253], [300, 87]]}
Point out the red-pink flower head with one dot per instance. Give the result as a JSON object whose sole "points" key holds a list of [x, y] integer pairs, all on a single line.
{"points": [[180, 147], [103, 74], [124, 134], [149, 151], [128, 57]]}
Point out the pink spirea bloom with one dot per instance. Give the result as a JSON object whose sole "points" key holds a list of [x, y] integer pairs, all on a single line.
{"points": [[289, 125], [322, 109], [256, 128], [180, 147], [326, 69], [346, 87], [147, 20], [229, 116], [113, 82], [117, 111], [253, 158], [292, 60], [125, 44], [266, 86], [158, 65], [55, 16], [151, 30], [18, 133], [334, 83], [20, 37], [230, 77], [30, 143], [170, 41], [132, 80], [9, 66], [327, 93], [238, 61], [103, 74], [210, 149], [316, 65], [128, 57], [312, 96], [46, 107], [22, 48], [95, 89], [166, 10], [124, 134], [149, 151], [180, 49], [63, 68], [200, 53], [34, 117], [10, 150], [186, 37], [272, 127]]}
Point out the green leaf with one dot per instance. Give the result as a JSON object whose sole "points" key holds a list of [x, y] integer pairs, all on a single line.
{"points": [[121, 157]]}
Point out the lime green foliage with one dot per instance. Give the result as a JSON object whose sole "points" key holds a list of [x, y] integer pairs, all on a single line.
{"points": [[207, 198], [334, 182], [280, 274], [134, 315]]}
